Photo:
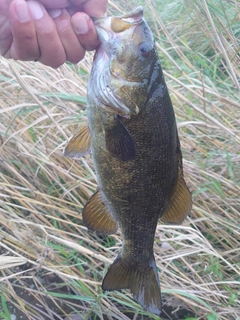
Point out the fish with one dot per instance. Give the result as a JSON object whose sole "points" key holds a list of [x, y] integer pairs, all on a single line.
{"points": [[132, 135]]}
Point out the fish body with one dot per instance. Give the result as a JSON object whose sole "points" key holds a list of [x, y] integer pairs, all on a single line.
{"points": [[136, 153]]}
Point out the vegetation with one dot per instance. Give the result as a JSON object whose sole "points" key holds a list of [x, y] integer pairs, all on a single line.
{"points": [[51, 265]]}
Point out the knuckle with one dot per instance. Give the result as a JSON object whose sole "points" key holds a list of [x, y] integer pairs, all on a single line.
{"points": [[58, 63], [27, 37], [55, 61], [47, 32], [26, 54], [89, 44], [76, 58], [65, 31]]}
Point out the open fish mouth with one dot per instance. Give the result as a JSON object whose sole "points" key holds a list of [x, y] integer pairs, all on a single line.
{"points": [[108, 29], [112, 31], [121, 23], [123, 61]]}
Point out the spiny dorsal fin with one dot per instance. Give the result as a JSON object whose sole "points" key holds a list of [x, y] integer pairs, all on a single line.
{"points": [[142, 281], [118, 140], [97, 217], [80, 144]]}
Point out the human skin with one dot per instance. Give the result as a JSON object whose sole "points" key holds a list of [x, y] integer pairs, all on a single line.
{"points": [[51, 32]]}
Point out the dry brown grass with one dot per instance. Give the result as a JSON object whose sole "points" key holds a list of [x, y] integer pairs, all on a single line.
{"points": [[44, 245]]}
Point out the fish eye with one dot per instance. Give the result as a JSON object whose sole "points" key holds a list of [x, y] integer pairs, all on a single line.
{"points": [[144, 49]]}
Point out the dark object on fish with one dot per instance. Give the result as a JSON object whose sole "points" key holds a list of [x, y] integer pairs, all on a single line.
{"points": [[136, 153]]}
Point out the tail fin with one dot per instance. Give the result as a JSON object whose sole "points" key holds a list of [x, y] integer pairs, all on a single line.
{"points": [[142, 281]]}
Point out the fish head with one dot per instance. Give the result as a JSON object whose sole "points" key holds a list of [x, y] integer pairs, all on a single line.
{"points": [[129, 44], [127, 57]]}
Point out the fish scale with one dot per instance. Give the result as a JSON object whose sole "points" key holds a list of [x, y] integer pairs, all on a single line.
{"points": [[136, 153]]}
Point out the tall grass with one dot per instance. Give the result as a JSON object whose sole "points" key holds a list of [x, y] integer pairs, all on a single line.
{"points": [[50, 264]]}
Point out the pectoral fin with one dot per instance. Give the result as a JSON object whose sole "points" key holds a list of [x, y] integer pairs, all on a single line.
{"points": [[97, 217], [118, 140], [80, 144], [180, 203]]}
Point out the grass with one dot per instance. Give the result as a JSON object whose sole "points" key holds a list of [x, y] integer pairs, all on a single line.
{"points": [[50, 263]]}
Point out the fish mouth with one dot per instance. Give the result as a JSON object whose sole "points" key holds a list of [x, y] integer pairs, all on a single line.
{"points": [[132, 17], [111, 32], [109, 28]]}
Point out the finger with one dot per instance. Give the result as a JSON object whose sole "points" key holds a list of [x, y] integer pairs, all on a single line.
{"points": [[52, 52], [5, 30], [85, 30], [24, 45], [55, 4], [95, 8], [73, 49]]}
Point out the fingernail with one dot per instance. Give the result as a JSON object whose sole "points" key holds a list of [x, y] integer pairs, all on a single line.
{"points": [[36, 9], [80, 24], [54, 13], [21, 9]]}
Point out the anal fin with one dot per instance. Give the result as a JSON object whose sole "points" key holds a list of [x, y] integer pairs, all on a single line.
{"points": [[180, 203], [80, 143], [118, 140], [143, 282], [97, 217]]}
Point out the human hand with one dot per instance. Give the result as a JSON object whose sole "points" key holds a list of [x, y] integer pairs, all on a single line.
{"points": [[51, 32]]}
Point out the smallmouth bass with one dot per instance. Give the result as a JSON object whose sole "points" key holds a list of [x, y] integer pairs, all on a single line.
{"points": [[133, 137]]}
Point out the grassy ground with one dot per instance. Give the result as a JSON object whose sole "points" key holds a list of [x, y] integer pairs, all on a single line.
{"points": [[51, 265]]}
